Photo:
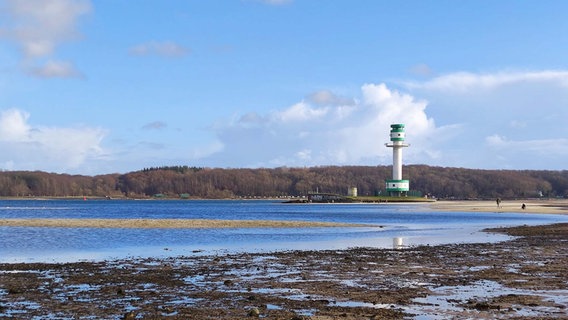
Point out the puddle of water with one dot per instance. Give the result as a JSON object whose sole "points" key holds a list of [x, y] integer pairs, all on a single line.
{"points": [[450, 300], [270, 306], [306, 312], [13, 309], [18, 271], [196, 280], [359, 304], [478, 268], [184, 301], [350, 283]]}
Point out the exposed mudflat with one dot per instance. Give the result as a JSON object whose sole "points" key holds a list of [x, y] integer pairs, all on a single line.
{"points": [[524, 278]]}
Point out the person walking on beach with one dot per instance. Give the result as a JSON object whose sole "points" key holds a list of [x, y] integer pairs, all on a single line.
{"points": [[498, 202]]}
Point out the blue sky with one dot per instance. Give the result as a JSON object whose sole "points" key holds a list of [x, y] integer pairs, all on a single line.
{"points": [[91, 87]]}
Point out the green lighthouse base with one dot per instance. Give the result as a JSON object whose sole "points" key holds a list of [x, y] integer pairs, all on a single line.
{"points": [[397, 188]]}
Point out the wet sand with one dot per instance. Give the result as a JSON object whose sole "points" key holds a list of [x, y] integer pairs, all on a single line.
{"points": [[167, 223], [554, 206], [523, 278]]}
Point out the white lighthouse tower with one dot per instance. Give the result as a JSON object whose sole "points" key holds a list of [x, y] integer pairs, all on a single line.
{"points": [[397, 186]]}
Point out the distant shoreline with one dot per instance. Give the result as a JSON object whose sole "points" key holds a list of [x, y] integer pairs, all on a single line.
{"points": [[543, 206]]}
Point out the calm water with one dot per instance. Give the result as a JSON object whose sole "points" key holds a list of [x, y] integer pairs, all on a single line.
{"points": [[402, 224]]}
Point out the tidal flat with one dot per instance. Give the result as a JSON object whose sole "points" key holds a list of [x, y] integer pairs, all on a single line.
{"points": [[522, 278]]}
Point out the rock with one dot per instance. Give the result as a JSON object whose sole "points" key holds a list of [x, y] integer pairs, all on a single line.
{"points": [[481, 306], [129, 315], [15, 290], [166, 309], [254, 312]]}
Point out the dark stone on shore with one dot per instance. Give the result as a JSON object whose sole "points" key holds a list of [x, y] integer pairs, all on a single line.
{"points": [[15, 290], [254, 312]]}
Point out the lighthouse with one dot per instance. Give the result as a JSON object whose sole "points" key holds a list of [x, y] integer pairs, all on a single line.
{"points": [[397, 186]]}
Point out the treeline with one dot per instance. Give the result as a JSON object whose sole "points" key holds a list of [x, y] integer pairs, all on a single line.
{"points": [[193, 182], [43, 184]]}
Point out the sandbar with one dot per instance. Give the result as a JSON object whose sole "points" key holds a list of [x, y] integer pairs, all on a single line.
{"points": [[168, 223], [547, 206]]}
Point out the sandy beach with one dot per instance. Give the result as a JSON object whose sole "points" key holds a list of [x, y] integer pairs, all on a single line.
{"points": [[550, 206]]}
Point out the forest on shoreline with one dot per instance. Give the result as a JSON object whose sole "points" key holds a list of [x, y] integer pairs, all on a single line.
{"points": [[217, 183]]}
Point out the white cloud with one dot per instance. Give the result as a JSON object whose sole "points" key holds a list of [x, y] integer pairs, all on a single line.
{"points": [[459, 120], [466, 81], [164, 49], [13, 126], [527, 106], [251, 119], [550, 147], [495, 140], [28, 147], [156, 125], [56, 69], [207, 150], [326, 97], [306, 135], [301, 112], [38, 27], [304, 155], [548, 154], [514, 98]]}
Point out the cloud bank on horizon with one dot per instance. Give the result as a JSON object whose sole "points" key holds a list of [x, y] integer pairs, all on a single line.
{"points": [[460, 120], [67, 108], [498, 121], [48, 148], [326, 131]]}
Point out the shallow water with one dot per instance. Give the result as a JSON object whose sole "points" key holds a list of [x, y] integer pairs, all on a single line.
{"points": [[397, 225]]}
